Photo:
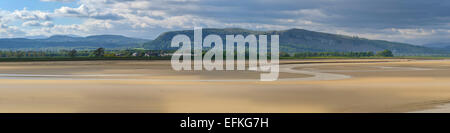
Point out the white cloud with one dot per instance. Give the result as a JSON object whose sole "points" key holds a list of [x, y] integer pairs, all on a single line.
{"points": [[414, 32], [24, 14], [10, 31], [58, 0], [39, 24], [80, 11], [84, 12], [313, 13]]}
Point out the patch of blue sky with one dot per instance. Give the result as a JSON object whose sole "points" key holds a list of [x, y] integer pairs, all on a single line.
{"points": [[12, 5], [67, 20]]}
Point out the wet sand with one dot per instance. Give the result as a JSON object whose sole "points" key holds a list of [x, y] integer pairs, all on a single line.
{"points": [[368, 85]]}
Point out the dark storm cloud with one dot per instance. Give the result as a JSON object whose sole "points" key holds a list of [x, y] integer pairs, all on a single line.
{"points": [[390, 13], [342, 13], [413, 21]]}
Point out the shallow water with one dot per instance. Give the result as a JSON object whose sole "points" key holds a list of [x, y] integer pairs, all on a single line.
{"points": [[127, 86]]}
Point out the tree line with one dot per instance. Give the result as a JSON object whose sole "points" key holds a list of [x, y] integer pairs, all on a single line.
{"points": [[101, 52], [384, 53]]}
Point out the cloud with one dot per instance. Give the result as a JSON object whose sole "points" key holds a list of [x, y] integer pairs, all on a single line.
{"points": [[58, 0], [80, 11], [84, 12], [24, 14], [412, 21], [7, 31], [38, 24], [312, 13], [414, 32]]}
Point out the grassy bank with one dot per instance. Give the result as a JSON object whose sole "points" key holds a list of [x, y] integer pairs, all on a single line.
{"points": [[373, 57], [336, 57], [80, 58]]}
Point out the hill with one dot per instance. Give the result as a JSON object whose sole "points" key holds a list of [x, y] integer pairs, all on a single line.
{"points": [[299, 40], [69, 42], [439, 46]]}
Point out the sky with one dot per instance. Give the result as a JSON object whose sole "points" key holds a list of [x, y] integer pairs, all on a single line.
{"points": [[410, 21]]}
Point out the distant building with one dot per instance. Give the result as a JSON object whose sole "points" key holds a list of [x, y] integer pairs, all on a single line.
{"points": [[166, 54]]}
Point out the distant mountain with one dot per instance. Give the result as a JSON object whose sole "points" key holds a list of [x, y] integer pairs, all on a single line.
{"points": [[299, 40], [69, 42], [293, 40], [438, 45], [36, 37], [62, 38]]}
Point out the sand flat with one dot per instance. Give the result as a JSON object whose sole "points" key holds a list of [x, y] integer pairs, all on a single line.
{"points": [[152, 86]]}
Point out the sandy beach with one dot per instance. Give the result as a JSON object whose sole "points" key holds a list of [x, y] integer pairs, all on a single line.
{"points": [[357, 85]]}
